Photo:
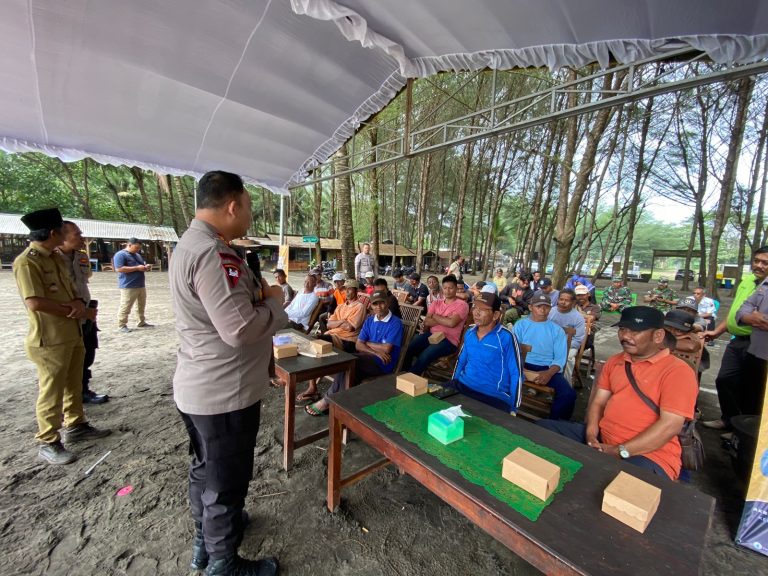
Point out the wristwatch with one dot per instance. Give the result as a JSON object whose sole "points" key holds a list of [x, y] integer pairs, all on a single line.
{"points": [[623, 452]]}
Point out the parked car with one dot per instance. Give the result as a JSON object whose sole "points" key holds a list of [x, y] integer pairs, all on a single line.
{"points": [[681, 273]]}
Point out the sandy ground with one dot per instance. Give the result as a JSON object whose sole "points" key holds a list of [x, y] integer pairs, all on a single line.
{"points": [[56, 521]]}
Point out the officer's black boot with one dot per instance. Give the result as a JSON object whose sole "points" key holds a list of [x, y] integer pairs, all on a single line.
{"points": [[233, 565], [199, 554]]}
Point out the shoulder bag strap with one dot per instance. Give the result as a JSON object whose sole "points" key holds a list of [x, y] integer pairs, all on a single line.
{"points": [[650, 403]]}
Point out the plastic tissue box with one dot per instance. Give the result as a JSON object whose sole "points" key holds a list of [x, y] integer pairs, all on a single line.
{"points": [[280, 339], [446, 426]]}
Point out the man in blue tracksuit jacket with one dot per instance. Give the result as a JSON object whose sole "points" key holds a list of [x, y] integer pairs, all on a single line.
{"points": [[489, 363]]}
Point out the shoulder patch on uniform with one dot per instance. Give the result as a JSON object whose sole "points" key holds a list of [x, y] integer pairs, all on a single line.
{"points": [[229, 257], [232, 272], [33, 252]]}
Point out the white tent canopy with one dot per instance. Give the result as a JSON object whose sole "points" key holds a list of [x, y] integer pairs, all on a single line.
{"points": [[270, 88]]}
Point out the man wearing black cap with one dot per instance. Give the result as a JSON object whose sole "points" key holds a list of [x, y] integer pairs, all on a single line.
{"points": [[548, 355], [545, 287], [688, 345], [619, 422], [54, 342], [130, 268], [420, 291], [489, 365]]}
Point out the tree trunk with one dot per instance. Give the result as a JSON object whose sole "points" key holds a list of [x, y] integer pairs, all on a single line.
{"points": [[458, 221], [346, 229], [317, 218], [138, 175], [568, 209], [374, 185], [421, 210], [743, 97]]}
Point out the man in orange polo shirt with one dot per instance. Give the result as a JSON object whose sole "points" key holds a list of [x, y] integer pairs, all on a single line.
{"points": [[619, 422], [347, 319]]}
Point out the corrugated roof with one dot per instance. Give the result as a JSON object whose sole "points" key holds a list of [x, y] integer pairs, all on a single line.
{"points": [[12, 224], [389, 250]]}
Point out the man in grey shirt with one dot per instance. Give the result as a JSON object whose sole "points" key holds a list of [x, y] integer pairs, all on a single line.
{"points": [[570, 320], [225, 319], [754, 312], [364, 263]]}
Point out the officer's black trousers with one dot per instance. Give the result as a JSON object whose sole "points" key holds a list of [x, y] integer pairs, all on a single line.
{"points": [[91, 343], [222, 466], [731, 378]]}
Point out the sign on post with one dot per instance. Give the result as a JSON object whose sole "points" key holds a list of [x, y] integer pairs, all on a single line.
{"points": [[310, 239]]}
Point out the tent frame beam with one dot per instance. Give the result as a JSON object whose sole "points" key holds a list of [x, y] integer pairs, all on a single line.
{"points": [[642, 80]]}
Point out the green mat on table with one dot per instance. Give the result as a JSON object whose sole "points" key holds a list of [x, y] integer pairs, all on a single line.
{"points": [[477, 456]]}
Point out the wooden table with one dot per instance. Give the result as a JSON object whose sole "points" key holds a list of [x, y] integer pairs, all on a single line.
{"points": [[298, 369], [572, 535]]}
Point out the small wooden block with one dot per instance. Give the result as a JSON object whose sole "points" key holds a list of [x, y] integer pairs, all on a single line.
{"points": [[285, 350], [531, 473], [411, 384], [321, 346], [436, 338], [631, 501]]}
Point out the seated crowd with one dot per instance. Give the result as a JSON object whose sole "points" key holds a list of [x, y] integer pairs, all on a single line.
{"points": [[505, 334]]}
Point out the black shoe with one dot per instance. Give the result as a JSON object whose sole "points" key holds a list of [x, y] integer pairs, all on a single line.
{"points": [[55, 453], [235, 566], [91, 397], [200, 554], [82, 432]]}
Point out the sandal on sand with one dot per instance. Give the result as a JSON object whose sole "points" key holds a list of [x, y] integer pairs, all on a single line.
{"points": [[312, 411], [303, 399]]}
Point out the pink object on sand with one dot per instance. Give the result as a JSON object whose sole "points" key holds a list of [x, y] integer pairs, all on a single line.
{"points": [[125, 490]]}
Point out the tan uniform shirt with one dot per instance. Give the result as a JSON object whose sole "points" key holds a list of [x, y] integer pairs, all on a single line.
{"points": [[40, 273], [225, 332], [79, 267]]}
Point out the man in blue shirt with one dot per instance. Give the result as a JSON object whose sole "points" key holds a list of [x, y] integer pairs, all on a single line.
{"points": [[548, 355], [130, 268], [378, 348], [489, 363]]}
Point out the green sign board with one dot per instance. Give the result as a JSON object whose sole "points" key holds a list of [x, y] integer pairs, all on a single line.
{"points": [[310, 239]]}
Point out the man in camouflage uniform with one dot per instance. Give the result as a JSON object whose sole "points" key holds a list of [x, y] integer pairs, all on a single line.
{"points": [[54, 342], [616, 297], [662, 297]]}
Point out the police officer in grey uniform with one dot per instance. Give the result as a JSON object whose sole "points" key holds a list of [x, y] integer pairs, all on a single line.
{"points": [[225, 319], [78, 264]]}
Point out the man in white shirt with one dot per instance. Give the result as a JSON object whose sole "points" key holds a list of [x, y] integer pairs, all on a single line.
{"points": [[705, 307], [301, 307]]}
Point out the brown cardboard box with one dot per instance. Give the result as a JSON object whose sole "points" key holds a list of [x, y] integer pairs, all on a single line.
{"points": [[321, 347], [411, 384], [531, 473], [285, 350], [631, 501], [436, 338]]}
